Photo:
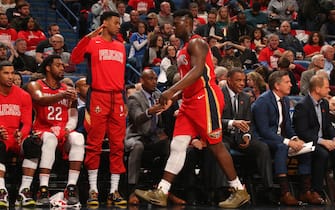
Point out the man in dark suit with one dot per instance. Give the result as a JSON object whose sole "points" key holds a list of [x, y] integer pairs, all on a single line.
{"points": [[143, 131], [311, 121], [236, 125], [272, 125]]}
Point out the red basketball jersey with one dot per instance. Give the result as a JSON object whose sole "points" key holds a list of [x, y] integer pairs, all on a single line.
{"points": [[184, 66], [52, 118]]}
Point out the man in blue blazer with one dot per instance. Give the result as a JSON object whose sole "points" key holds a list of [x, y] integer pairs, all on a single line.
{"points": [[312, 123], [272, 125]]}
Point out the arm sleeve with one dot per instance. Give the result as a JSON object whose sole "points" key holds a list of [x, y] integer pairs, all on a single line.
{"points": [[26, 115], [73, 119], [79, 51]]}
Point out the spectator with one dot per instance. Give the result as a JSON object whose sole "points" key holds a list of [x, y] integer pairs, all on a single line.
{"points": [[211, 28], [194, 8], [314, 44], [317, 63], [127, 28], [229, 60], [24, 64], [43, 48], [284, 10], [6, 4], [152, 21], [221, 75], [288, 41], [255, 17], [284, 65], [154, 54], [8, 35], [216, 48], [139, 42], [257, 39], [328, 53], [23, 12], [239, 28], [169, 59], [175, 41], [257, 83], [32, 33], [247, 56], [274, 128], [57, 42], [269, 55], [100, 7], [55, 121], [144, 131], [143, 7], [164, 15], [296, 68], [328, 28], [223, 20], [121, 9], [319, 130], [273, 25], [166, 31], [17, 80]]}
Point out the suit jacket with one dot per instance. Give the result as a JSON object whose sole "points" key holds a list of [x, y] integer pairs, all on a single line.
{"points": [[203, 30], [244, 112], [265, 117], [139, 125], [306, 123]]}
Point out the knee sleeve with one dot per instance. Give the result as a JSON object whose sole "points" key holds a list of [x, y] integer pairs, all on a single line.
{"points": [[177, 156], [32, 147], [30, 163], [48, 150], [2, 152], [77, 149]]}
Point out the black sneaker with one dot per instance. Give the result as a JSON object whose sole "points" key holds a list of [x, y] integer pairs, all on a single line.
{"points": [[25, 198], [4, 198], [71, 195], [43, 197]]}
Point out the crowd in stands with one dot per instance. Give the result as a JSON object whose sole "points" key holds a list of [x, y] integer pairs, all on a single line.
{"points": [[249, 41]]}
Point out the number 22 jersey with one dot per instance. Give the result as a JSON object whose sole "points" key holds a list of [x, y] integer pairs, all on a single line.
{"points": [[51, 118]]}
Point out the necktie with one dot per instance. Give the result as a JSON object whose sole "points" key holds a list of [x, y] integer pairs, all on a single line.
{"points": [[282, 125], [154, 116], [235, 105]]}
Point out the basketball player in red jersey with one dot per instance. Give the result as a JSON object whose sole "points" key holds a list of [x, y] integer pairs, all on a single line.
{"points": [[199, 114], [55, 119], [106, 65], [15, 126]]}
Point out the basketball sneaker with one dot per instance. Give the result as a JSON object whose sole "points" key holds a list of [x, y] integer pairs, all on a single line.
{"points": [[93, 198], [156, 197], [25, 198], [236, 199], [115, 199], [4, 198], [43, 197]]}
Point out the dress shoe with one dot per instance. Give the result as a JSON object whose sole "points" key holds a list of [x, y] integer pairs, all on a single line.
{"points": [[133, 199], [176, 200], [289, 200], [312, 198]]}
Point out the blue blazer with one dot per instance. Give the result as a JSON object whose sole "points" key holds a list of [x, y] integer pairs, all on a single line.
{"points": [[266, 116]]}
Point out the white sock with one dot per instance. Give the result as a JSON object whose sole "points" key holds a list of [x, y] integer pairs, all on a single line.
{"points": [[73, 177], [2, 183], [164, 186], [92, 179], [44, 179], [236, 184], [115, 178], [26, 182]]}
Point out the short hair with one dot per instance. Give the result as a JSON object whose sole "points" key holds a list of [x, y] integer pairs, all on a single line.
{"points": [[270, 36], [233, 71], [283, 62], [276, 77], [22, 4], [59, 36], [5, 63], [107, 15], [48, 61], [3, 46], [316, 57], [52, 25], [316, 81], [183, 13], [19, 40], [243, 38]]}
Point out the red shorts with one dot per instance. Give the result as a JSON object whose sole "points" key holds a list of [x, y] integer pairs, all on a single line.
{"points": [[201, 115]]}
